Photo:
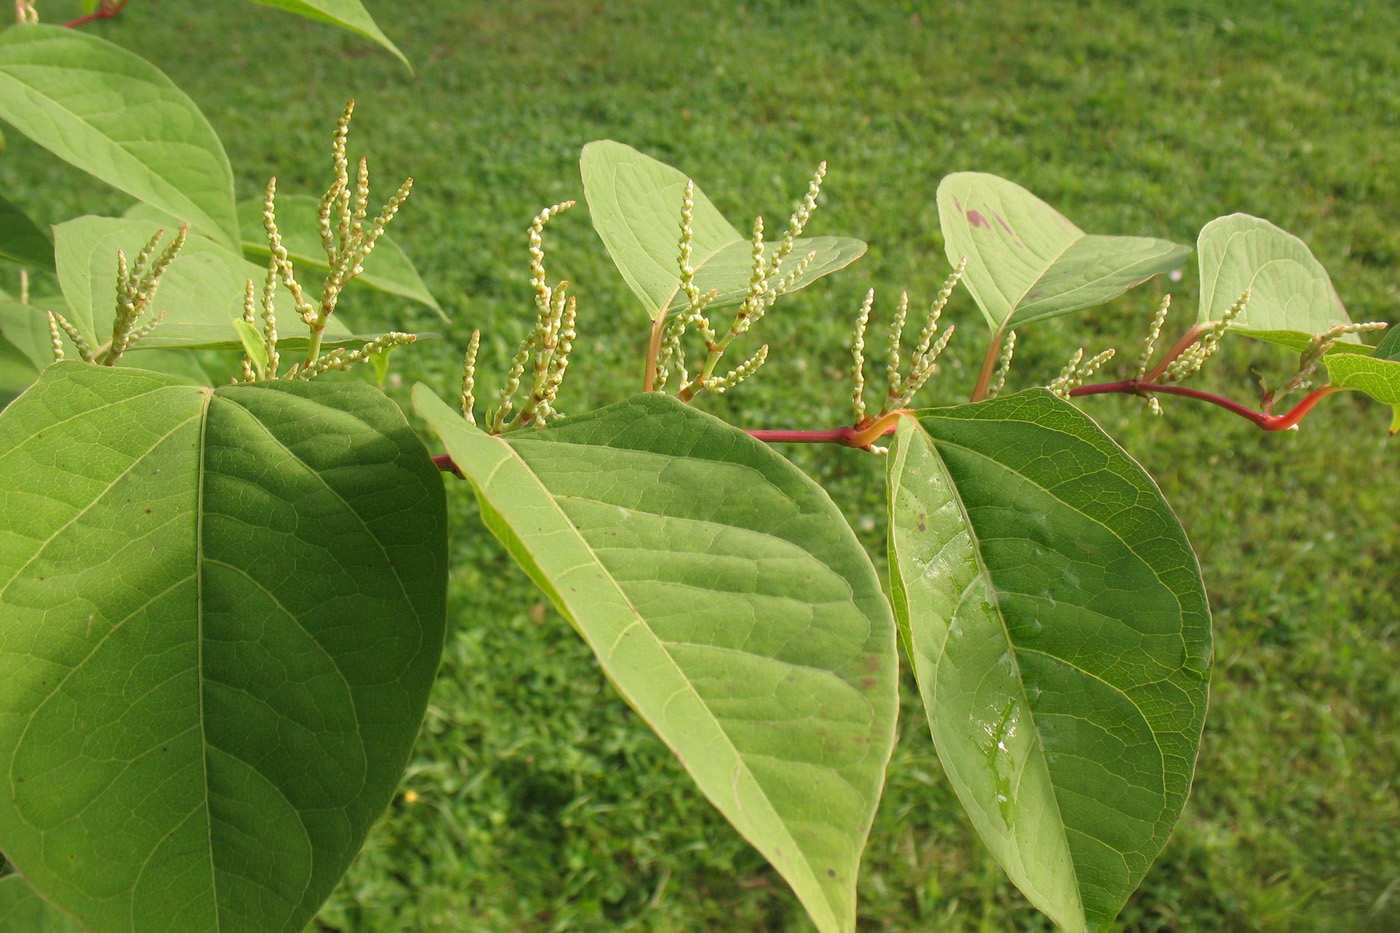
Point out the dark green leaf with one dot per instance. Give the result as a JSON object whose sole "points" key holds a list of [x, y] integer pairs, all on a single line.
{"points": [[21, 240], [220, 614], [1061, 641]]}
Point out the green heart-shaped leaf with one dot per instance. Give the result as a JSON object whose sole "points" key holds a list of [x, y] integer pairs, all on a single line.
{"points": [[635, 202], [1291, 295], [1027, 262], [220, 614], [1061, 640], [727, 600], [117, 117]]}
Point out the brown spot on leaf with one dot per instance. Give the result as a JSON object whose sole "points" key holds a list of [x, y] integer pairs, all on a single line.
{"points": [[923, 527], [872, 664], [977, 220], [867, 683]]}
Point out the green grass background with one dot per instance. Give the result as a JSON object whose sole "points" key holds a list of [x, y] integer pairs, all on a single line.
{"points": [[538, 801]]}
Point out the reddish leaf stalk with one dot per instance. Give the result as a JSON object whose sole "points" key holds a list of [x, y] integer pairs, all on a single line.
{"points": [[106, 10]]}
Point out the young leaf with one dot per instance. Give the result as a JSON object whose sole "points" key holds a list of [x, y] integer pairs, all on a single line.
{"points": [[21, 240], [1027, 262], [726, 599], [117, 117], [1389, 347], [199, 293], [220, 614], [1375, 375], [348, 14], [253, 344], [1291, 295], [388, 270], [1061, 640], [635, 203], [23, 911]]}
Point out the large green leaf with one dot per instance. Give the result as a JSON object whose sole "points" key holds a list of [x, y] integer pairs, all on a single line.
{"points": [[635, 202], [1291, 295], [729, 603], [1377, 376], [1060, 637], [21, 240], [389, 269], [1027, 262], [220, 614], [23, 911], [348, 14], [201, 292], [118, 117]]}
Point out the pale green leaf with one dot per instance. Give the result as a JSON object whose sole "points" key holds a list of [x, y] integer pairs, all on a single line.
{"points": [[27, 329], [1061, 640], [635, 203], [1291, 295], [1027, 262], [1377, 376], [200, 293], [21, 240], [118, 117], [254, 344], [23, 911], [726, 599], [347, 14], [220, 614]]}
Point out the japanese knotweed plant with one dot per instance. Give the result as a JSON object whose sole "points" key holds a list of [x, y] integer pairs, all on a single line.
{"points": [[222, 581]]}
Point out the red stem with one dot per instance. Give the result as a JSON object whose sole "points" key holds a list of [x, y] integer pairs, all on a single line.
{"points": [[863, 437], [106, 10], [1265, 421]]}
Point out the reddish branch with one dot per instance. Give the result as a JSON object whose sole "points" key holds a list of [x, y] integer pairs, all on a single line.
{"points": [[1264, 420], [105, 10], [863, 436]]}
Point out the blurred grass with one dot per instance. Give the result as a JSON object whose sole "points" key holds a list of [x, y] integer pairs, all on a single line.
{"points": [[536, 801]]}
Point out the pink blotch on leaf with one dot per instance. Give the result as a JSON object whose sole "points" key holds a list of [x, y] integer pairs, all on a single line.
{"points": [[977, 220]]}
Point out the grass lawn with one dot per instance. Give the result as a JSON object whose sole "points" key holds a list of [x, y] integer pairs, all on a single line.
{"points": [[536, 800]]}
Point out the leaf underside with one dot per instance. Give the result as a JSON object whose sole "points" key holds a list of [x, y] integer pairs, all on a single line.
{"points": [[1026, 261], [1291, 295], [220, 614], [729, 603], [1061, 640], [635, 203]]}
